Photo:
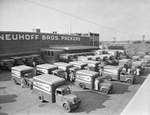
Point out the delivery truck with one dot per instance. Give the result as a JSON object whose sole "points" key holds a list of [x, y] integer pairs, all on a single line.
{"points": [[49, 69], [24, 73], [118, 73], [53, 89], [92, 80], [6, 64], [37, 59]]}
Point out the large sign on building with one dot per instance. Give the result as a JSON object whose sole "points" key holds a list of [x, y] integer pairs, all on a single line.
{"points": [[27, 36], [18, 42]]}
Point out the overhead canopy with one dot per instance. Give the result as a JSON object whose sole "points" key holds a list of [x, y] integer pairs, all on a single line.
{"points": [[74, 47]]}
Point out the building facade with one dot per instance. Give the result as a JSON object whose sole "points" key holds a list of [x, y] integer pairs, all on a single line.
{"points": [[18, 43]]}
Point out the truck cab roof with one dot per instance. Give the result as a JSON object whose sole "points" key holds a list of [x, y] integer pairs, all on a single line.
{"points": [[50, 79], [22, 68], [87, 72], [47, 66]]}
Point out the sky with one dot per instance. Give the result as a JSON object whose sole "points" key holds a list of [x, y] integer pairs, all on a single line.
{"points": [[120, 19]]}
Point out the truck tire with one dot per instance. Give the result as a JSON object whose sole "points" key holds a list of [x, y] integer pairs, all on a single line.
{"points": [[15, 81], [129, 81], [67, 107], [82, 86], [108, 77], [41, 98], [104, 91]]}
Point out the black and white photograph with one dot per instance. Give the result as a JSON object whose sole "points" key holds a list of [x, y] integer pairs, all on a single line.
{"points": [[74, 57]]}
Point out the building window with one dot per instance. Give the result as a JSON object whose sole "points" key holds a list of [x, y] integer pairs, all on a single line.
{"points": [[52, 53], [45, 52], [49, 53]]}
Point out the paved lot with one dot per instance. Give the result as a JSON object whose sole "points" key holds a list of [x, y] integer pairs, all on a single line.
{"points": [[15, 100]]}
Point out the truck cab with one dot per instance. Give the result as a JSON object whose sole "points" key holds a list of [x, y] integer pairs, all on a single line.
{"points": [[17, 60], [27, 72], [65, 67], [92, 81], [28, 60], [139, 64], [37, 59], [54, 89], [6, 64], [96, 66], [127, 62], [45, 69], [136, 58], [116, 73], [72, 73]]}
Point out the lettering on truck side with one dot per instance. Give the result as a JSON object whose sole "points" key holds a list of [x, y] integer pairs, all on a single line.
{"points": [[44, 86], [15, 73], [86, 79], [113, 72]]}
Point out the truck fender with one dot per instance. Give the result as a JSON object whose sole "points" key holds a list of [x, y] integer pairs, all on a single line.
{"points": [[104, 90], [66, 106]]}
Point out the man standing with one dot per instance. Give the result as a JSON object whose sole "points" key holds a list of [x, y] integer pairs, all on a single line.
{"points": [[96, 83]]}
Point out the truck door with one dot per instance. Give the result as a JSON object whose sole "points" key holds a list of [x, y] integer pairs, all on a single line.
{"points": [[59, 98], [122, 76]]}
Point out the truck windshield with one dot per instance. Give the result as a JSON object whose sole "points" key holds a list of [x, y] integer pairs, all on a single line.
{"points": [[66, 91]]}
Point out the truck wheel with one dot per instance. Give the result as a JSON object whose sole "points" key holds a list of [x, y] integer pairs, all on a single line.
{"points": [[67, 107], [129, 81], [82, 85], [108, 77], [41, 98], [105, 91], [15, 81]]}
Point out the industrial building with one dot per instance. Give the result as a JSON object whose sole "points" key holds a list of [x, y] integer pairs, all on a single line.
{"points": [[14, 43]]}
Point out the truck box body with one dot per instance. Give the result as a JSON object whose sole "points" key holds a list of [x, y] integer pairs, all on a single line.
{"points": [[87, 78], [18, 71], [46, 84], [45, 68]]}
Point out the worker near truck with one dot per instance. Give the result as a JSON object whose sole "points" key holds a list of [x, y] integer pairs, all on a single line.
{"points": [[23, 82], [96, 83]]}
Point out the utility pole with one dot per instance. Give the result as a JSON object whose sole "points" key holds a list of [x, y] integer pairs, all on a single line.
{"points": [[114, 39], [143, 38]]}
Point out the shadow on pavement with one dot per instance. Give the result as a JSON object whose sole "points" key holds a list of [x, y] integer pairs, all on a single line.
{"points": [[90, 101], [3, 113], [5, 76], [8, 98], [139, 80], [120, 88], [2, 88]]}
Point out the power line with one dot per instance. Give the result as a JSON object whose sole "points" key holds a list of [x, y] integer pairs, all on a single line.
{"points": [[82, 19]]}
